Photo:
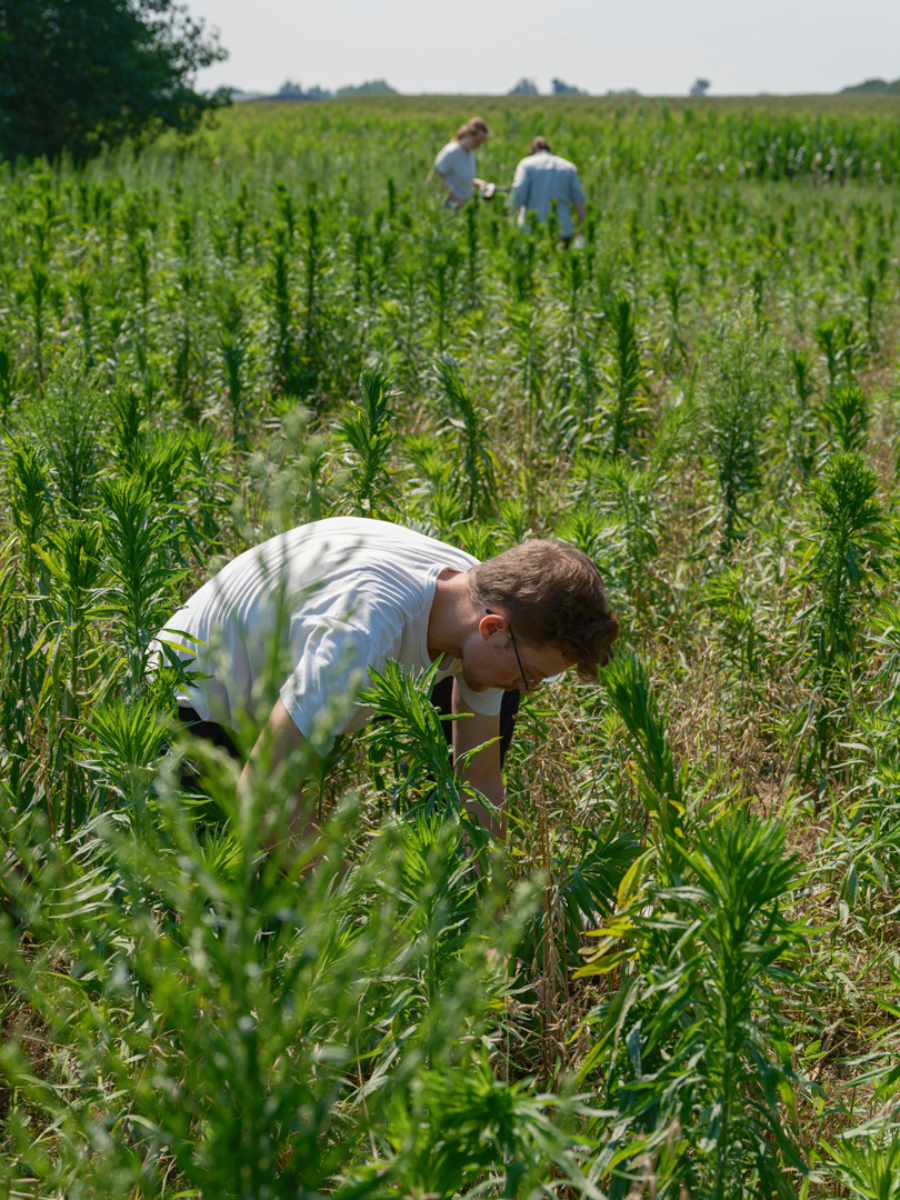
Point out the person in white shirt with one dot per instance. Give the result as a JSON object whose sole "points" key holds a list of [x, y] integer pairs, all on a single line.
{"points": [[340, 596], [455, 163], [540, 179]]}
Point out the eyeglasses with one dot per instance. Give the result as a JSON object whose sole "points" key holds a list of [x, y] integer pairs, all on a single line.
{"points": [[512, 638]]}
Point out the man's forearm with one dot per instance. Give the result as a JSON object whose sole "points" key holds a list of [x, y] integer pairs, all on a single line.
{"points": [[277, 741]]}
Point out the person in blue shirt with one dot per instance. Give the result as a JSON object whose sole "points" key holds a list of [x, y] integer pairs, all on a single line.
{"points": [[540, 179]]}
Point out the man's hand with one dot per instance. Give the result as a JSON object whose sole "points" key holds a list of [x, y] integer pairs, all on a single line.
{"points": [[280, 738]]}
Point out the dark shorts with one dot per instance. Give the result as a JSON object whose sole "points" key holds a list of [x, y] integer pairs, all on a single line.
{"points": [[217, 734], [441, 698]]}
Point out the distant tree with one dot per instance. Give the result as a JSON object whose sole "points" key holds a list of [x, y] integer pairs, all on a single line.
{"points": [[318, 93], [565, 89], [293, 91], [700, 87], [374, 87], [78, 74], [622, 92], [874, 87], [525, 87]]}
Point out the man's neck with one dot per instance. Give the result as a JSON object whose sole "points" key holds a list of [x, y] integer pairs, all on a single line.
{"points": [[450, 619]]}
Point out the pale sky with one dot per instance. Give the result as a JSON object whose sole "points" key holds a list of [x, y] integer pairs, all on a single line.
{"points": [[485, 46]]}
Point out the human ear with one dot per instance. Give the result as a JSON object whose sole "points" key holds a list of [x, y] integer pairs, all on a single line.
{"points": [[490, 625]]}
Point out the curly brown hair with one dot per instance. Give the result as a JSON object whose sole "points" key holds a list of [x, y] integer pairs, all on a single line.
{"points": [[551, 593]]}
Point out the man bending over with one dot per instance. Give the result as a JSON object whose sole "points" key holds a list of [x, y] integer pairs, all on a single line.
{"points": [[331, 601]]}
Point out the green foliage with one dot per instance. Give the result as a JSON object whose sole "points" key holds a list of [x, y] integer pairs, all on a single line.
{"points": [[76, 78], [69, 426], [466, 1122], [409, 737], [626, 377], [258, 1003], [845, 409], [141, 590], [846, 531], [478, 461], [845, 538], [867, 1170], [739, 390], [695, 1039], [406, 1007], [29, 499], [367, 428], [616, 525]]}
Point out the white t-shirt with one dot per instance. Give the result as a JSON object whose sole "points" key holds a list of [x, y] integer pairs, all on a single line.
{"points": [[342, 595], [457, 165]]}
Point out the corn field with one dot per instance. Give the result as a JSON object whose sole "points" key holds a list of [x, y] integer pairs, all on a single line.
{"points": [[678, 978]]}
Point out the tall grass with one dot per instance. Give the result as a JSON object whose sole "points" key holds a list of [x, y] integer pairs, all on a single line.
{"points": [[678, 978]]}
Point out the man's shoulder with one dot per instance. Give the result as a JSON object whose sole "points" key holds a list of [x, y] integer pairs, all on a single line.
{"points": [[542, 161], [381, 537]]}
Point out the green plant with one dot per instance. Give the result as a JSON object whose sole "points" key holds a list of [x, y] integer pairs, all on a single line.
{"points": [[367, 429], [479, 462], [661, 783], [869, 1170], [795, 427], [694, 1041], [464, 1122], [314, 254], [842, 556], [70, 428], [10, 379], [283, 335], [738, 397], [73, 565], [410, 739], [846, 413], [142, 578], [30, 502], [626, 382], [626, 527], [441, 289], [675, 289], [524, 325]]}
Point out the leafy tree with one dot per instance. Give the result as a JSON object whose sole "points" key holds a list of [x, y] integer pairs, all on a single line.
{"points": [[559, 88], [373, 87], [78, 74]]}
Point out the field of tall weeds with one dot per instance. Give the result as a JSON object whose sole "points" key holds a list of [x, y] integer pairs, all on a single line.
{"points": [[679, 977]]}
